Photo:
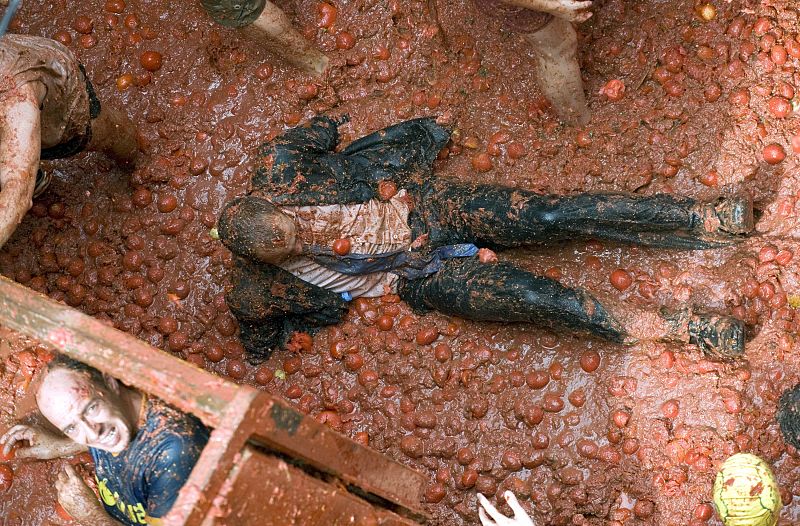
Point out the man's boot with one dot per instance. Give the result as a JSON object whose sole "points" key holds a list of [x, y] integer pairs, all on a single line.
{"points": [[718, 336], [728, 216]]}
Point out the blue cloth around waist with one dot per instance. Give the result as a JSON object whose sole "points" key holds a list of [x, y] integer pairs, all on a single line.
{"points": [[405, 263]]}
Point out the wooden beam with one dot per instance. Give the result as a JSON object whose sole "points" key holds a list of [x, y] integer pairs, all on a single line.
{"points": [[290, 497]]}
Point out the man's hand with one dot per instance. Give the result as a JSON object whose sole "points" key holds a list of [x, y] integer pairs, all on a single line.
{"points": [[41, 444], [572, 10], [77, 499], [498, 519]]}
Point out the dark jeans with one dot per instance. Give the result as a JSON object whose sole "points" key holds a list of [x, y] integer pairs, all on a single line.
{"points": [[502, 292], [500, 217], [497, 217]]}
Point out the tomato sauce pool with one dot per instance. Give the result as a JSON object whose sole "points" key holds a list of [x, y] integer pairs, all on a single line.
{"points": [[584, 432]]}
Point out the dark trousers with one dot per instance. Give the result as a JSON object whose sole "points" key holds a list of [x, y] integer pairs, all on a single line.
{"points": [[234, 13], [500, 217], [501, 292], [503, 217]]}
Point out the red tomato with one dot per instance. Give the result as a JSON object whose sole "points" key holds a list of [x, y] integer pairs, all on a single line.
{"points": [[773, 153], [614, 90], [620, 279], [341, 246]]}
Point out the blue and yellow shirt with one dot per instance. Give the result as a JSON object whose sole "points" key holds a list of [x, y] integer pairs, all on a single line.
{"points": [[144, 480]]}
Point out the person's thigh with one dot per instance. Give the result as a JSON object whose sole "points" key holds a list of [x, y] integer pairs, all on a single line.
{"points": [[501, 217]]}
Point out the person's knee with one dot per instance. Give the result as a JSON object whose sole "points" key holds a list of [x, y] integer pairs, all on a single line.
{"points": [[534, 291], [234, 13]]}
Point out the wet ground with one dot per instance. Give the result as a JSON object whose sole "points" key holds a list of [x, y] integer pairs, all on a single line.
{"points": [[583, 431]]}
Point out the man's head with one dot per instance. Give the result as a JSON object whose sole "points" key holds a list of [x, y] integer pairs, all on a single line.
{"points": [[85, 405], [254, 228]]}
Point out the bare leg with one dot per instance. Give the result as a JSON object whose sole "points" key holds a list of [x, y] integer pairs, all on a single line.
{"points": [[114, 134], [558, 71], [288, 42], [19, 156]]}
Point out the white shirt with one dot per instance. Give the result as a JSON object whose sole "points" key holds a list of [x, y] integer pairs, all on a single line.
{"points": [[372, 228]]}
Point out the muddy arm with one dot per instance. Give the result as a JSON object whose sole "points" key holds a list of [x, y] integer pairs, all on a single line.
{"points": [[318, 135], [403, 153], [270, 303], [79, 501], [296, 153], [42, 445], [20, 144], [262, 336], [303, 159]]}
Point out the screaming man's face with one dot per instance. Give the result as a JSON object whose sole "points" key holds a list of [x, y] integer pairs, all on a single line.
{"points": [[84, 410]]}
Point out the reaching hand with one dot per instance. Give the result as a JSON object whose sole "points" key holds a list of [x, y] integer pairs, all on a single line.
{"points": [[572, 10], [76, 498], [41, 444], [498, 519]]}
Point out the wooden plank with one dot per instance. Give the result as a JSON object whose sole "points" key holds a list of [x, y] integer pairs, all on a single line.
{"points": [[215, 463], [114, 352], [280, 426], [290, 497]]}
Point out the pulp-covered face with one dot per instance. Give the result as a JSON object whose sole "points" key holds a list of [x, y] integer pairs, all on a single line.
{"points": [[88, 413]]}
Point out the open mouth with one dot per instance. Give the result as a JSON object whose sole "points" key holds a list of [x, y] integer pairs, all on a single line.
{"points": [[110, 437]]}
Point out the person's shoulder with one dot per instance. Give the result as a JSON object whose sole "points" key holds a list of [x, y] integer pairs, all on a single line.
{"points": [[249, 271], [171, 428]]}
